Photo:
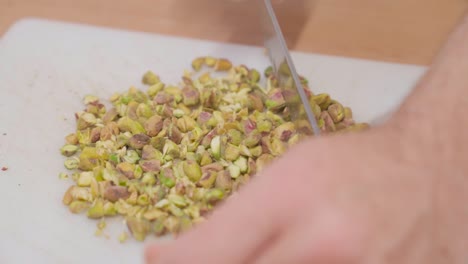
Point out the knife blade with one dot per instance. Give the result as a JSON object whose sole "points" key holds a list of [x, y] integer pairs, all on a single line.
{"points": [[283, 66]]}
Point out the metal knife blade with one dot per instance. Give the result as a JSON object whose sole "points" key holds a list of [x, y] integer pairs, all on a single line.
{"points": [[282, 63]]}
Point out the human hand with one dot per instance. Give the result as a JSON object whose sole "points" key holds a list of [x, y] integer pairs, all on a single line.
{"points": [[393, 194]]}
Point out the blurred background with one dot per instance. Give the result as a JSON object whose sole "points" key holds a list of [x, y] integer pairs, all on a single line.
{"points": [[405, 31]]}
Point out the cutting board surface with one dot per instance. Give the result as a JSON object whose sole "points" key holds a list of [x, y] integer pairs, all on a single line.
{"points": [[47, 67]]}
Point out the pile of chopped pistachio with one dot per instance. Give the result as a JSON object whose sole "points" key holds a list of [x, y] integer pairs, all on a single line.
{"points": [[165, 157]]}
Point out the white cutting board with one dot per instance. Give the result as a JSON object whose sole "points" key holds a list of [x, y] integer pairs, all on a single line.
{"points": [[47, 67]]}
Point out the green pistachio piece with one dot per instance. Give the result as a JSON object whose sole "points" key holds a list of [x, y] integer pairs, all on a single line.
{"points": [[85, 120], [153, 166], [234, 171], [139, 228], [155, 89], [223, 180], [171, 149], [231, 152], [114, 193], [234, 136], [323, 100], [241, 162], [85, 179], [284, 131], [269, 72], [109, 209], [72, 163], [150, 78], [205, 159], [143, 110], [167, 177], [131, 157], [90, 158], [96, 210], [214, 195], [127, 169], [336, 112], [77, 207], [216, 147], [191, 96], [177, 200], [254, 76], [153, 214], [176, 211], [143, 199], [264, 126], [328, 124], [208, 179], [69, 150], [71, 139], [192, 170], [127, 124], [275, 100], [148, 178], [138, 141]]}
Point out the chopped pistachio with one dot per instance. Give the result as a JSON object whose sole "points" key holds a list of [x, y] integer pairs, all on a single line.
{"points": [[150, 78], [153, 214], [148, 178], [138, 227], [214, 195], [143, 199], [231, 152], [216, 147], [123, 237], [114, 193], [71, 139], [234, 171], [86, 120], [192, 170], [63, 176], [167, 177], [323, 100], [69, 150], [275, 100], [72, 163], [171, 149], [153, 166], [170, 154], [85, 178], [284, 131], [208, 179], [191, 96], [198, 63], [241, 162], [77, 207], [223, 180], [96, 210], [222, 65], [109, 209], [336, 112], [101, 224], [268, 72], [256, 151], [127, 124]]}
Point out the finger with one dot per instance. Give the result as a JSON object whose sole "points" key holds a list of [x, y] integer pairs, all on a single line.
{"points": [[327, 239], [248, 221]]}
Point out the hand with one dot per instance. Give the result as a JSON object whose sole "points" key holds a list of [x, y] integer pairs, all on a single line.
{"points": [[393, 194]]}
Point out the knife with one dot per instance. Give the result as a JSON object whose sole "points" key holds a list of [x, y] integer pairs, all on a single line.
{"points": [[283, 66]]}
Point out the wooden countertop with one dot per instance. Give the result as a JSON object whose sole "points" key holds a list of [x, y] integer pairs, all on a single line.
{"points": [[407, 31]]}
